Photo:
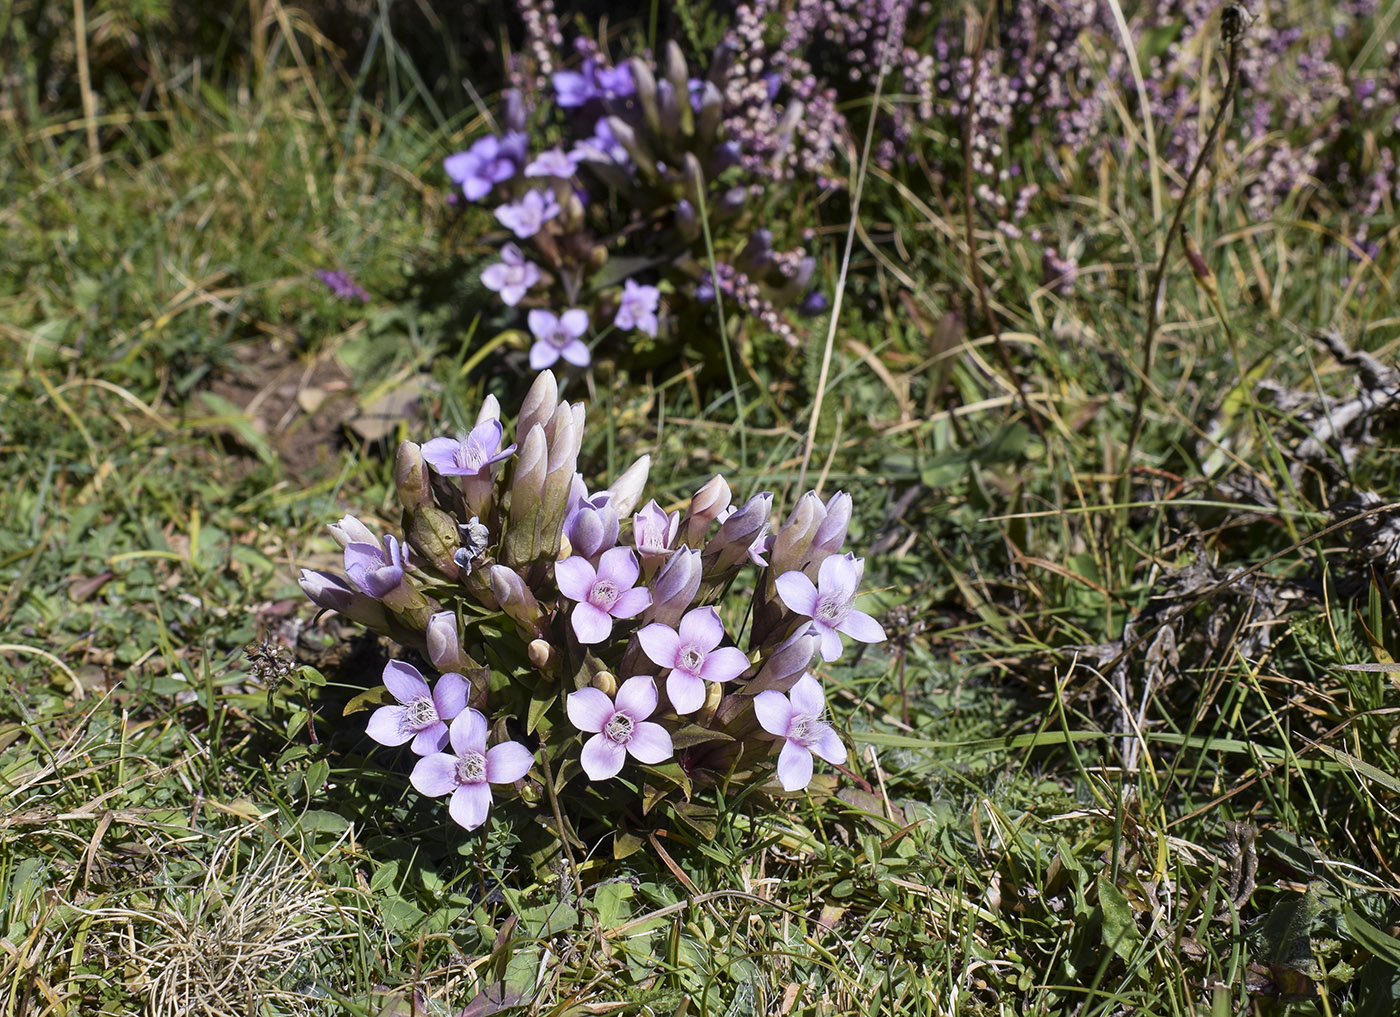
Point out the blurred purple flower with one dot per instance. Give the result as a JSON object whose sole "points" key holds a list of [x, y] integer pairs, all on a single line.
{"points": [[619, 728], [512, 276], [469, 770], [470, 456], [602, 146], [828, 603], [375, 570], [342, 285], [637, 308], [690, 652], [422, 713], [554, 163], [558, 336], [525, 217], [603, 594], [798, 720], [488, 162]]}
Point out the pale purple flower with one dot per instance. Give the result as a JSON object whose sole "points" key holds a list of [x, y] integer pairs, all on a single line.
{"points": [[342, 284], [558, 335], [469, 770], [797, 719], [605, 593], [602, 146], [761, 541], [615, 82], [525, 217], [422, 714], [689, 650], [375, 570], [554, 163], [470, 456], [512, 276], [653, 530], [591, 524], [828, 603], [574, 88], [488, 162], [637, 308], [619, 728]]}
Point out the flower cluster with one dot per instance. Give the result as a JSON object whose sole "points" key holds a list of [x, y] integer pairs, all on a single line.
{"points": [[563, 612]]}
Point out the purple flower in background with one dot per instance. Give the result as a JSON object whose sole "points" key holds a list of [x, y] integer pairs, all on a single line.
{"points": [[512, 276], [469, 770], [342, 285], [653, 530], [690, 652], [615, 82], [828, 603], [637, 308], [558, 336], [375, 570], [422, 713], [525, 217], [488, 162], [619, 728], [554, 163], [469, 457], [574, 88], [602, 146], [609, 592], [799, 721]]}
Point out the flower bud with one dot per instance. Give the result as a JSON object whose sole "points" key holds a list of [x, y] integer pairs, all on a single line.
{"points": [[444, 646], [433, 534], [627, 489], [411, 477], [831, 532], [515, 599], [562, 465], [669, 109], [730, 204], [714, 692], [756, 255], [490, 410], [645, 83], [674, 588], [351, 531], [513, 119], [334, 594], [518, 547], [705, 507], [541, 654], [539, 403], [711, 112], [675, 69], [640, 154], [737, 535], [792, 540], [605, 682], [687, 222], [597, 258], [653, 531], [788, 662], [591, 526]]}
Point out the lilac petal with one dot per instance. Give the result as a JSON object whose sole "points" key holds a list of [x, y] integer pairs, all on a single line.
{"points": [[575, 578], [831, 642], [475, 188], [589, 709], [434, 775], [542, 323], [807, 697], [459, 166], [386, 725], [620, 565], [468, 732], [574, 321], [366, 556], [487, 436], [724, 664], [632, 602], [450, 695], [798, 592], [543, 355], [650, 743], [602, 757], [441, 455], [660, 643], [508, 762], [470, 805], [838, 577], [829, 747], [636, 697], [493, 276], [591, 624], [701, 628], [687, 693], [862, 628], [773, 711], [576, 353], [433, 738], [405, 682], [794, 767]]}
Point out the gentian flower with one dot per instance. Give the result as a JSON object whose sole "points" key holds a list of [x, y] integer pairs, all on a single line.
{"points": [[615, 82], [798, 720], [575, 88], [525, 217], [603, 594], [690, 652], [375, 570], [591, 525], [602, 146], [469, 770], [620, 728], [558, 336], [554, 163], [470, 456], [828, 603], [760, 542], [488, 162], [512, 276], [637, 308], [653, 530], [422, 713]]}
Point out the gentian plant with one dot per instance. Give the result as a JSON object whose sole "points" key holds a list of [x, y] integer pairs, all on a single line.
{"points": [[588, 646]]}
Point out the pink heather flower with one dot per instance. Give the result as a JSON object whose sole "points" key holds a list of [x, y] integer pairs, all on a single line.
{"points": [[512, 276], [690, 652], [422, 713], [637, 308], [620, 728], [554, 163], [558, 336], [375, 570], [828, 603], [525, 217], [471, 456], [798, 720], [469, 770], [607, 593], [653, 530]]}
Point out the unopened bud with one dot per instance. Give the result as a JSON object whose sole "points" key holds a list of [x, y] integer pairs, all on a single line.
{"points": [[645, 83], [705, 507], [627, 489], [515, 598], [714, 692], [831, 532], [411, 477], [788, 662], [541, 654], [539, 403], [737, 535], [444, 647], [605, 682], [674, 588], [794, 537], [351, 531]]}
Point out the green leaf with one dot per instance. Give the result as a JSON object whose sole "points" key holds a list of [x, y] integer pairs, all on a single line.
{"points": [[386, 877], [539, 705], [611, 903], [1120, 929], [548, 920], [1379, 944], [1284, 936], [226, 414], [377, 696]]}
